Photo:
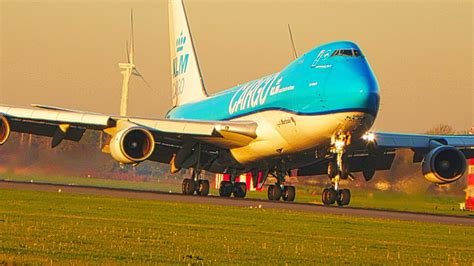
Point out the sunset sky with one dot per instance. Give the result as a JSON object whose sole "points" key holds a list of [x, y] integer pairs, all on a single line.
{"points": [[66, 53]]}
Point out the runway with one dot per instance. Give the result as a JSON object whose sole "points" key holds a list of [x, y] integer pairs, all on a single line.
{"points": [[175, 197]]}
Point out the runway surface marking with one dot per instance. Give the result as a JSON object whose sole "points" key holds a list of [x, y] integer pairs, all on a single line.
{"points": [[175, 197]]}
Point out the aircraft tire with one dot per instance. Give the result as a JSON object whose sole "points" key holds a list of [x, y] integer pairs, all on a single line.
{"points": [[203, 187], [240, 190], [225, 189], [329, 196], [332, 169], [188, 186], [289, 193], [343, 197], [345, 172], [274, 192]]}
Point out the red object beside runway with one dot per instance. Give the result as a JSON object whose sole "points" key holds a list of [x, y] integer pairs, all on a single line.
{"points": [[245, 178], [470, 186]]}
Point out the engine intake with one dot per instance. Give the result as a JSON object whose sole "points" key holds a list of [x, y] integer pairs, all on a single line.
{"points": [[444, 164], [132, 145], [5, 129]]}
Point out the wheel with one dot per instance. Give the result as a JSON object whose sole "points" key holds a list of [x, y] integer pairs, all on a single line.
{"points": [[329, 196], [343, 197], [270, 192], [225, 189], [289, 193], [345, 171], [332, 169], [274, 192], [240, 190], [188, 186], [203, 187]]}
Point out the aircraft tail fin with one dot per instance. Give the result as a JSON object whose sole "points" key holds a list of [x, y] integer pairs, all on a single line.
{"points": [[187, 82]]}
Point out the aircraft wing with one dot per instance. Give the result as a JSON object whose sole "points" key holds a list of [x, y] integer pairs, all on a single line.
{"points": [[382, 153], [417, 141], [60, 123]]}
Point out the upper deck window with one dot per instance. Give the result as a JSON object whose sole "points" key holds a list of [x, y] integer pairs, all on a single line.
{"points": [[346, 52]]}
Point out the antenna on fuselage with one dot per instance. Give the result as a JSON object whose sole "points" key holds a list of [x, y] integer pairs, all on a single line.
{"points": [[295, 54]]}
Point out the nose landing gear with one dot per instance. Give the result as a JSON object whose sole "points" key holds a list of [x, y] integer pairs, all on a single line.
{"points": [[338, 170], [330, 196]]}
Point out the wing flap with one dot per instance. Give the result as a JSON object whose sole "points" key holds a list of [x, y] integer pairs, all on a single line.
{"points": [[356, 162], [180, 127], [225, 134], [46, 130]]}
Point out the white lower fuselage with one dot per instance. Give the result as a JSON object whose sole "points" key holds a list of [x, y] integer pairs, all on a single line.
{"points": [[281, 133]]}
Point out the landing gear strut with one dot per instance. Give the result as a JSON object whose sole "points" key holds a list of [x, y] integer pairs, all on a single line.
{"points": [[278, 190], [338, 170]]}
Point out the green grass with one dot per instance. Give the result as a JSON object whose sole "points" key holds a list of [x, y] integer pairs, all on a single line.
{"points": [[100, 182], [361, 197], [44, 227]]}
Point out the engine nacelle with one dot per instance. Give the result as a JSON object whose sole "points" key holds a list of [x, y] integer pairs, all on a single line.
{"points": [[444, 164], [132, 145], [5, 129]]}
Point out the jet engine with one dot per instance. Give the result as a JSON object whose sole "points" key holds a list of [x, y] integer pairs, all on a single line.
{"points": [[444, 164], [4, 129], [132, 145]]}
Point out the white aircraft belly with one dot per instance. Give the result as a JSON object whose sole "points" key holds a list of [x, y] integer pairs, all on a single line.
{"points": [[281, 132]]}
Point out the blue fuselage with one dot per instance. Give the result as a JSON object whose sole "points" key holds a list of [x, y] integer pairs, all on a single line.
{"points": [[331, 78]]}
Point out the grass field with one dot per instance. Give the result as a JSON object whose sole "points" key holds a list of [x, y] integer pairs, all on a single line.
{"points": [[45, 227], [361, 197]]}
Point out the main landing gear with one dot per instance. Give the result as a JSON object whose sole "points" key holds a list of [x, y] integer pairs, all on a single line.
{"points": [[195, 185], [338, 170], [238, 189], [278, 190]]}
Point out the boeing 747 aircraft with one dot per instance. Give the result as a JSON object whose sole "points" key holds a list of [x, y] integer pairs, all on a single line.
{"points": [[314, 115]]}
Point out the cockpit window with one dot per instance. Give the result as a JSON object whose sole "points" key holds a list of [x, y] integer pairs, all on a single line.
{"points": [[346, 52]]}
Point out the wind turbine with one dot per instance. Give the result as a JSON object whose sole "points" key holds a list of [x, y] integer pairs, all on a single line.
{"points": [[129, 69]]}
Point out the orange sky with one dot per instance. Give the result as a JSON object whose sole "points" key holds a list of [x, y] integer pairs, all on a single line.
{"points": [[65, 53]]}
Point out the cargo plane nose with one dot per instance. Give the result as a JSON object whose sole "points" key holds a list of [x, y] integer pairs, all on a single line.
{"points": [[352, 85]]}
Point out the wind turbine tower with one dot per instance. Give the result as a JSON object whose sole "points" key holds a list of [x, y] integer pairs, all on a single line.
{"points": [[128, 69]]}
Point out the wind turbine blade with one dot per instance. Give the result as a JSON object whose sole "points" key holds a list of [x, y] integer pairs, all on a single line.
{"points": [[132, 41], [295, 54], [128, 54], [138, 74]]}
